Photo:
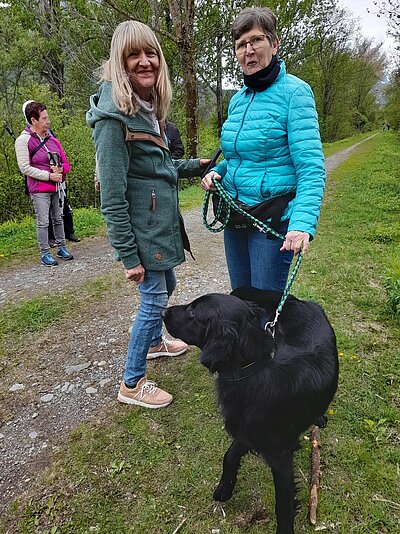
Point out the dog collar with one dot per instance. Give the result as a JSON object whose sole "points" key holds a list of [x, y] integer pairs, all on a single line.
{"points": [[249, 370]]}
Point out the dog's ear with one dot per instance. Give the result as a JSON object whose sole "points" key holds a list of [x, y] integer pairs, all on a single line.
{"points": [[222, 340]]}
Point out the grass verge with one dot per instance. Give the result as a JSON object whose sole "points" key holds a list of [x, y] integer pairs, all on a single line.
{"points": [[18, 238], [330, 148]]}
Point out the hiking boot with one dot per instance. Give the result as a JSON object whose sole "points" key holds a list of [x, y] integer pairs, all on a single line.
{"points": [[63, 253], [73, 237], [167, 347], [48, 260], [145, 394]]}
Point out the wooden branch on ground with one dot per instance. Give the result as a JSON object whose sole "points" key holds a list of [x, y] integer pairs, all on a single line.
{"points": [[178, 528], [315, 472]]}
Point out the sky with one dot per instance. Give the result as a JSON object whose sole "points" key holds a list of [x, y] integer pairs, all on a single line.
{"points": [[371, 25]]}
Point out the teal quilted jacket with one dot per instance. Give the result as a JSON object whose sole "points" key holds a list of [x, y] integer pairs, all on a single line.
{"points": [[272, 146]]}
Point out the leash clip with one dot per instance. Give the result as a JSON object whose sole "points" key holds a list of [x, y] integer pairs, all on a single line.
{"points": [[270, 326], [260, 228]]}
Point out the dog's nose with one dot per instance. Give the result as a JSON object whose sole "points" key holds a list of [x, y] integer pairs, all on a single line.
{"points": [[163, 313]]}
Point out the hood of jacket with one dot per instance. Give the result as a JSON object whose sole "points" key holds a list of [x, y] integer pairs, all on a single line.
{"points": [[102, 106]]}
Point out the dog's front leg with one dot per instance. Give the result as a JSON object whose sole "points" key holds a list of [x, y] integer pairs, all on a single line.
{"points": [[223, 492], [285, 490]]}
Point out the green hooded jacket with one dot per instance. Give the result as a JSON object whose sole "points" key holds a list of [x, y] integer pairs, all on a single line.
{"points": [[138, 185]]}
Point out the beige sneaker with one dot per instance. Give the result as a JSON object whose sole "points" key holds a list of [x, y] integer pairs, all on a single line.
{"points": [[145, 394], [167, 347]]}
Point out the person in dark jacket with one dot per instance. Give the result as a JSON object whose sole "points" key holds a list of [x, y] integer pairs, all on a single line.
{"points": [[175, 144], [139, 193], [272, 148]]}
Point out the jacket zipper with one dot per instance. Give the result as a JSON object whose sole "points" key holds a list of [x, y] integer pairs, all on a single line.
{"points": [[236, 138], [153, 201]]}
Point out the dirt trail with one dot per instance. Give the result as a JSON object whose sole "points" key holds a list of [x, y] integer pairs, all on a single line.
{"points": [[71, 373]]}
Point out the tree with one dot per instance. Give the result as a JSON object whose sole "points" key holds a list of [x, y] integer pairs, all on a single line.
{"points": [[182, 14], [392, 108], [390, 9], [327, 67]]}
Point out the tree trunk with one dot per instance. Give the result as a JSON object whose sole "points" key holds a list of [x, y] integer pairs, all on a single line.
{"points": [[182, 13], [53, 64]]}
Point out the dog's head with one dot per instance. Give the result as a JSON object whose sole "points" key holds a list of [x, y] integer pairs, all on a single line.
{"points": [[226, 328]]}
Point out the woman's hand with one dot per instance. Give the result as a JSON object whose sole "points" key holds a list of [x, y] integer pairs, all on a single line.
{"points": [[296, 241], [57, 169], [206, 182], [56, 176], [204, 163], [136, 274]]}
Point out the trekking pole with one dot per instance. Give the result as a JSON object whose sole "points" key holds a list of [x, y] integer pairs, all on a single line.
{"points": [[8, 130], [55, 161]]}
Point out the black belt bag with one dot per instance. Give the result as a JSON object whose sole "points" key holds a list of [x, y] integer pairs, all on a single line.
{"points": [[269, 209]]}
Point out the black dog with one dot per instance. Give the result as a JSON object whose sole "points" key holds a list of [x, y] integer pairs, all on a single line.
{"points": [[270, 389]]}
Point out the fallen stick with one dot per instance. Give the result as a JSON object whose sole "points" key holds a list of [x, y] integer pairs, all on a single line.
{"points": [[180, 525], [315, 472]]}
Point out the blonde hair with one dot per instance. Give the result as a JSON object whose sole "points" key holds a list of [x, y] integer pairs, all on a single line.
{"points": [[130, 35]]}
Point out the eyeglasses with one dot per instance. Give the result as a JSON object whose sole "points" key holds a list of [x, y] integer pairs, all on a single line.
{"points": [[255, 42]]}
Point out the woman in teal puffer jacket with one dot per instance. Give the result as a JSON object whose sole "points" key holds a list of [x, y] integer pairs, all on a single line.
{"points": [[272, 147], [139, 194]]}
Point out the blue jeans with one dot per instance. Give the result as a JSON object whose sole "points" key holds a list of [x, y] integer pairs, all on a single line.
{"points": [[155, 291], [253, 260]]}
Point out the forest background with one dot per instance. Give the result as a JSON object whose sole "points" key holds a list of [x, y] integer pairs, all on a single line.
{"points": [[50, 51]]}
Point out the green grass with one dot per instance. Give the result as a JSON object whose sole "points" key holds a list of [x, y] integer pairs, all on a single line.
{"points": [[141, 472], [18, 238], [40, 313], [33, 315], [331, 148]]}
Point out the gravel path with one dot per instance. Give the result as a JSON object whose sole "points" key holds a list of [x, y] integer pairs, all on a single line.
{"points": [[68, 379]]}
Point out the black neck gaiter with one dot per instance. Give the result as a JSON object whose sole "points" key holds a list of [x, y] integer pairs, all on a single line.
{"points": [[263, 78]]}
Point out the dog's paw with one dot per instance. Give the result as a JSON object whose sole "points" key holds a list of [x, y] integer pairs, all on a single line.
{"points": [[223, 492]]}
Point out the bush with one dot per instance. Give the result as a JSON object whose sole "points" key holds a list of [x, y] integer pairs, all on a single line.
{"points": [[76, 139], [14, 204]]}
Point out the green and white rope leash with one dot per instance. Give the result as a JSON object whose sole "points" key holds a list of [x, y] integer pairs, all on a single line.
{"points": [[261, 226]]}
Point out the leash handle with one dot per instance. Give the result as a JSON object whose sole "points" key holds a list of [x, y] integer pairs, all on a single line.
{"points": [[261, 226], [212, 163]]}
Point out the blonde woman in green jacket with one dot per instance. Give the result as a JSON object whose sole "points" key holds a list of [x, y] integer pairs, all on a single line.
{"points": [[139, 193]]}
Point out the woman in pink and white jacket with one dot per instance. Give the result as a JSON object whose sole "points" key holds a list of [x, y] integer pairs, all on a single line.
{"points": [[42, 160]]}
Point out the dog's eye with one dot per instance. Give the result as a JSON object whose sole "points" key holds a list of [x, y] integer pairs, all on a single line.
{"points": [[191, 314]]}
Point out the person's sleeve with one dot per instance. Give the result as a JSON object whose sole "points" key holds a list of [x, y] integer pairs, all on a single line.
{"points": [[188, 168], [113, 163], [65, 162], [23, 160], [308, 159]]}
